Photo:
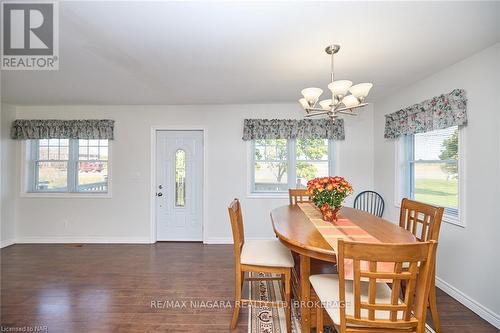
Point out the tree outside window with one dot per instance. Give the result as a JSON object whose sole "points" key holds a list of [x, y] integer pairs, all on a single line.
{"points": [[307, 158]]}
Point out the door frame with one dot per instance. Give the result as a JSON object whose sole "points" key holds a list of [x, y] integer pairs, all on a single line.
{"points": [[152, 194]]}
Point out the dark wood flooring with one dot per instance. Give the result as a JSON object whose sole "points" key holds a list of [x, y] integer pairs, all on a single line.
{"points": [[123, 288]]}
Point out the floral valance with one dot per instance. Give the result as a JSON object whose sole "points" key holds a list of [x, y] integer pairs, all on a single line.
{"points": [[254, 129], [23, 129], [436, 113]]}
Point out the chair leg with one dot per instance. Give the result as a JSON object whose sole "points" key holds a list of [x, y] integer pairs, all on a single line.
{"points": [[433, 306], [420, 328], [288, 300], [319, 319], [237, 299]]}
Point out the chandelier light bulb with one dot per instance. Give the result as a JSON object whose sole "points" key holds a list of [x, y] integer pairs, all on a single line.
{"points": [[350, 101], [326, 104], [312, 95], [303, 102], [361, 90], [340, 87]]}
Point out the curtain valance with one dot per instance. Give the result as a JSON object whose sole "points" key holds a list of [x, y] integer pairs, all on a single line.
{"points": [[23, 129], [439, 112], [293, 129]]}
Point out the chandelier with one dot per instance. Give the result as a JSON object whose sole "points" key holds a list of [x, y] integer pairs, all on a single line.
{"points": [[345, 96]]}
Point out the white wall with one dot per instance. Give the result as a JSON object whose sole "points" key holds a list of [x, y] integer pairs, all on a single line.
{"points": [[8, 177], [467, 257], [126, 216]]}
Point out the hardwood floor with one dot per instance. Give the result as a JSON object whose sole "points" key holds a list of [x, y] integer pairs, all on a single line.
{"points": [[134, 288]]}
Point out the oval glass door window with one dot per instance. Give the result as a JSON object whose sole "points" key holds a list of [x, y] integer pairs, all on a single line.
{"points": [[180, 178]]}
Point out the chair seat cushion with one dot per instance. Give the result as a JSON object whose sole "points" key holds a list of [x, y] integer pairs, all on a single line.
{"points": [[266, 253], [326, 287]]}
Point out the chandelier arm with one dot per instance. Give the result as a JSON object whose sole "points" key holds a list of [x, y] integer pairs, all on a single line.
{"points": [[316, 110], [317, 114], [352, 107], [350, 113], [337, 106]]}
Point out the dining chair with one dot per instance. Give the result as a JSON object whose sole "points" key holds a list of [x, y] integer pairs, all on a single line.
{"points": [[424, 221], [258, 256], [371, 202], [367, 303], [298, 195]]}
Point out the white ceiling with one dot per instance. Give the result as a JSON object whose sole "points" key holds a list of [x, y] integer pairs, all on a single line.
{"points": [[236, 52]]}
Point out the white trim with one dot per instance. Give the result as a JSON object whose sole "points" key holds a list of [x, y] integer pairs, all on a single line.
{"points": [[218, 241], [482, 311], [86, 240], [333, 150], [249, 169], [224, 241], [152, 195], [193, 240], [7, 242], [398, 144], [462, 176]]}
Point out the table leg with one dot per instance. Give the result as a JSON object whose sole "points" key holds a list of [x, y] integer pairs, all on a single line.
{"points": [[305, 292]]}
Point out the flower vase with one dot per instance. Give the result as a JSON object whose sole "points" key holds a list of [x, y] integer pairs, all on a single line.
{"points": [[329, 214]]}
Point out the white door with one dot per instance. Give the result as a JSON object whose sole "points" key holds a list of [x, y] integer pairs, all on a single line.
{"points": [[179, 185]]}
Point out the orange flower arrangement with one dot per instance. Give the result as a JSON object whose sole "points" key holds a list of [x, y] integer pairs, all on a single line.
{"points": [[328, 194]]}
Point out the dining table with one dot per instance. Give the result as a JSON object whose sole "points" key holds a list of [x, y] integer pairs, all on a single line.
{"points": [[297, 232]]}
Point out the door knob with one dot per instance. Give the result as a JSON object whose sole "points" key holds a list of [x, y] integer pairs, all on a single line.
{"points": [[159, 194]]}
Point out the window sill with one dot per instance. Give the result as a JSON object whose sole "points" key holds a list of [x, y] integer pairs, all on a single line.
{"points": [[60, 195], [446, 218], [453, 220], [264, 195]]}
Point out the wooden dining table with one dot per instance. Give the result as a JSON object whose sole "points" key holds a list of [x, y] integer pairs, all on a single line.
{"points": [[294, 229]]}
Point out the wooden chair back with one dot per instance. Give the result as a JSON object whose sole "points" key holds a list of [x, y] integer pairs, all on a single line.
{"points": [[298, 195], [408, 313], [422, 220], [236, 217], [371, 202]]}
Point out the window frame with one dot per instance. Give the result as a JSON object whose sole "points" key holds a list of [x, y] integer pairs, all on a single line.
{"points": [[30, 153], [404, 187], [291, 169]]}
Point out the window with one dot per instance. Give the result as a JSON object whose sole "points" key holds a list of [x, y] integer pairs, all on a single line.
{"points": [[67, 166], [312, 160], [92, 166], [51, 165], [180, 178], [430, 169], [271, 165], [280, 164]]}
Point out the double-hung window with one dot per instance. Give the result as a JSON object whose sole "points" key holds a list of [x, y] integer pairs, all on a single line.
{"points": [[67, 166], [280, 164], [430, 169]]}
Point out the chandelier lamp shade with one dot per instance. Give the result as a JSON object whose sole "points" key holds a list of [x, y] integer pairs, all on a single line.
{"points": [[346, 97]]}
